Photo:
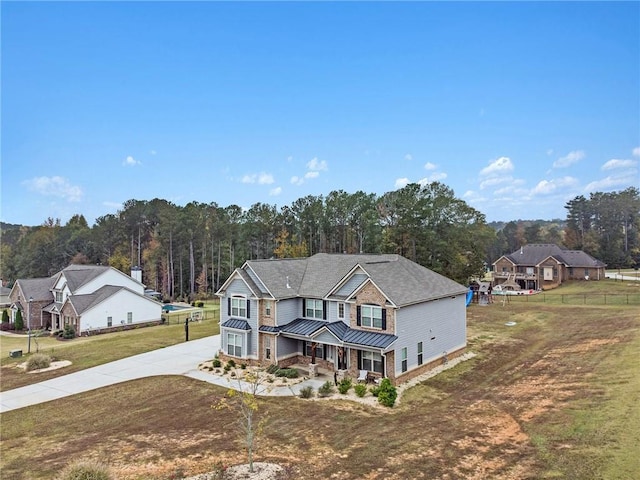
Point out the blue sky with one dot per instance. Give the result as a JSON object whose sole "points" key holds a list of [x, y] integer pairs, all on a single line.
{"points": [[518, 107]]}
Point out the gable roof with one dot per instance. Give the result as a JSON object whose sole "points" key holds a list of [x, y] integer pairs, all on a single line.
{"points": [[536, 253], [37, 288], [404, 282], [82, 303]]}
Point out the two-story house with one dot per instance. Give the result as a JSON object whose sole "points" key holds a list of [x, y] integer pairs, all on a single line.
{"points": [[381, 313], [89, 297], [542, 266]]}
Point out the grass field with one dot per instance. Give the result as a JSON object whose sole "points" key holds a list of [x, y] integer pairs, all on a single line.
{"points": [[556, 396]]}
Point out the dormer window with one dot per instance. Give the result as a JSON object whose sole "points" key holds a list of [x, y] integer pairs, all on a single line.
{"points": [[58, 297]]}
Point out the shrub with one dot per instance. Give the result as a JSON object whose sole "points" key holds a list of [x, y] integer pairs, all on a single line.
{"points": [[86, 470], [375, 390], [243, 366], [287, 373], [273, 368], [38, 361], [200, 304], [326, 389], [5, 316], [19, 321], [306, 392], [344, 385], [360, 389], [69, 332], [227, 367], [231, 363], [216, 363], [387, 394], [4, 326]]}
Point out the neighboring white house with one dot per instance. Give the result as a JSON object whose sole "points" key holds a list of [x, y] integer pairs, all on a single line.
{"points": [[89, 297], [383, 314]]}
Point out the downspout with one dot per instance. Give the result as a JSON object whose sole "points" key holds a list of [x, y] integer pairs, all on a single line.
{"points": [[384, 364]]}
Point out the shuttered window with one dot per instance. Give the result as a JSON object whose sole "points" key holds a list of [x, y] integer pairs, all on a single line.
{"points": [[372, 316], [314, 308], [239, 307]]}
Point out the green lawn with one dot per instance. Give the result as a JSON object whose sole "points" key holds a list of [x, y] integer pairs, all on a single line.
{"points": [[86, 352]]}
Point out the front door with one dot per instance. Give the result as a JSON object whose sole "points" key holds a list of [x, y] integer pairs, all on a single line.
{"points": [[341, 360]]}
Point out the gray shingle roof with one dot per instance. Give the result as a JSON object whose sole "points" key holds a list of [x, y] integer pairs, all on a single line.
{"points": [[82, 303], [306, 328], [37, 288], [535, 253], [403, 281], [78, 275]]}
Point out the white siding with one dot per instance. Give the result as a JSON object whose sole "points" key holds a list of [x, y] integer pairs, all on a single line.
{"points": [[111, 277], [117, 306], [440, 325]]}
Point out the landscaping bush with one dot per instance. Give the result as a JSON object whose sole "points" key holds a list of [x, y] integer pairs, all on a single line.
{"points": [[287, 373], [200, 304], [216, 363], [360, 389], [38, 361], [326, 389], [344, 385], [86, 470], [243, 366], [375, 390], [5, 316], [273, 368], [69, 332], [4, 326], [19, 323], [387, 394], [306, 392], [231, 363]]}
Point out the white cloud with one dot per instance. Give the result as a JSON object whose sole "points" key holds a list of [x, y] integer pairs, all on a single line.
{"points": [[490, 182], [498, 166], [259, 178], [408, 156], [545, 187], [55, 187], [401, 182], [436, 177], [550, 151], [290, 158], [309, 175], [569, 159], [274, 192], [636, 152], [615, 163], [153, 152], [131, 162], [430, 166], [297, 180], [611, 182], [317, 165]]}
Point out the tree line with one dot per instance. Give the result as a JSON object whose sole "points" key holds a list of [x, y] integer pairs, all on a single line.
{"points": [[186, 252]]}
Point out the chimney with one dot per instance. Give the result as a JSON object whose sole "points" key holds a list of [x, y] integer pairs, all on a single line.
{"points": [[136, 273]]}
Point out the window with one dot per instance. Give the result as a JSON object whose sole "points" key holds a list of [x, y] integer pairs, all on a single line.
{"points": [[67, 320], [313, 308], [129, 317], [419, 353], [59, 297], [267, 347], [341, 310], [109, 321], [234, 344], [267, 308], [371, 361], [319, 349], [238, 307], [404, 359], [371, 316], [586, 272]]}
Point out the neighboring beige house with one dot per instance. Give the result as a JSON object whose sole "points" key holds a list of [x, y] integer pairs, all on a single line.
{"points": [[545, 266], [89, 297]]}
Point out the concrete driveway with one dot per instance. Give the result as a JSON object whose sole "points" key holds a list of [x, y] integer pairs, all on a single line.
{"points": [[181, 359]]}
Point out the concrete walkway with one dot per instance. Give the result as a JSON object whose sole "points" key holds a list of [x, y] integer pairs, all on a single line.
{"points": [[181, 359]]}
